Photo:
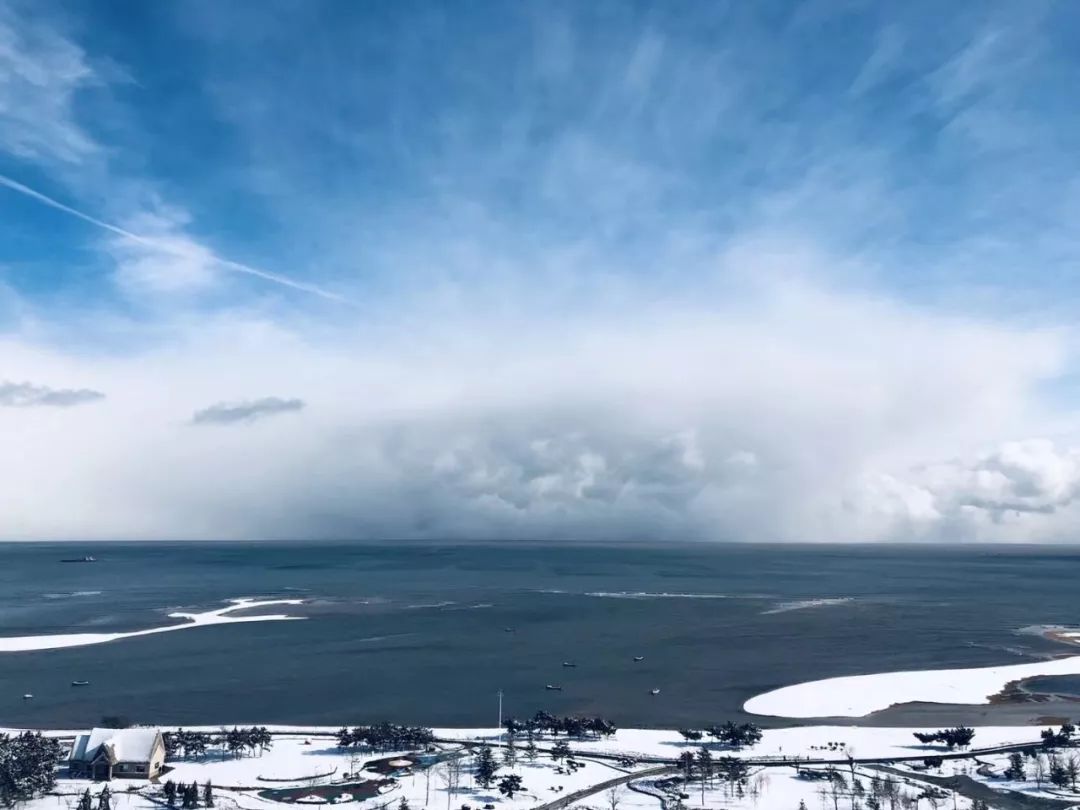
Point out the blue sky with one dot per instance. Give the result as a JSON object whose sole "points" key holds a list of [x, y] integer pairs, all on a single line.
{"points": [[742, 271]]}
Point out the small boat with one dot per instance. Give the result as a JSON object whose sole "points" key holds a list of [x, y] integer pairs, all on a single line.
{"points": [[553, 688], [80, 683], [654, 691], [27, 696], [569, 664], [508, 629], [80, 559], [639, 657]]}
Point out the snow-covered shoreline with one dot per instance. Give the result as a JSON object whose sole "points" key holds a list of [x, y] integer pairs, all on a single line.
{"points": [[204, 619], [860, 695]]}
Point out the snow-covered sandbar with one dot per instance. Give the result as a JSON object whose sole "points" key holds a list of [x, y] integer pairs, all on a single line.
{"points": [[859, 695], [205, 619]]}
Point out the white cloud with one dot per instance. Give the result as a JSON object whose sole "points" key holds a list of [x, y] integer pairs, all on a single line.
{"points": [[41, 74], [692, 419]]}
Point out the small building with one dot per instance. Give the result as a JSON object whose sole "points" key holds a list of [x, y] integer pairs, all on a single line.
{"points": [[127, 753]]}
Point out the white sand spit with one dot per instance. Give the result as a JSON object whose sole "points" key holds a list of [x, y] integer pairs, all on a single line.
{"points": [[859, 695], [205, 619]]}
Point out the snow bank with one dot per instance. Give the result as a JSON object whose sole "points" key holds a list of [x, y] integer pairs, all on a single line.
{"points": [[205, 619], [859, 695]]}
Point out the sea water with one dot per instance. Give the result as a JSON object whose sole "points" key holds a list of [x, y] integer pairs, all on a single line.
{"points": [[430, 633]]}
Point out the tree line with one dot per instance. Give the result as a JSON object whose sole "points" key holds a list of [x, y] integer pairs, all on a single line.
{"points": [[733, 735], [385, 737], [961, 737], [570, 725], [195, 744]]}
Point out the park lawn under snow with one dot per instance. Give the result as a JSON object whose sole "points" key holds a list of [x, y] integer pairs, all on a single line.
{"points": [[800, 741], [859, 695], [775, 787]]}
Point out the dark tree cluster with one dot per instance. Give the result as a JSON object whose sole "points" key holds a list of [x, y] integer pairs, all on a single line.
{"points": [[732, 735], [27, 766], [385, 737], [186, 744], [959, 737], [238, 740], [1063, 737], [571, 726], [188, 795], [1015, 771]]}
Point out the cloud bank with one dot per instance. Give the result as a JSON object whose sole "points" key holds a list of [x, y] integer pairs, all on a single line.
{"points": [[224, 413], [692, 420], [28, 395]]}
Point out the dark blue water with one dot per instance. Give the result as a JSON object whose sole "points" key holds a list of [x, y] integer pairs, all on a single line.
{"points": [[416, 633]]}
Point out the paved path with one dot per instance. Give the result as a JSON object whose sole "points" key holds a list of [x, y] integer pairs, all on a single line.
{"points": [[584, 793]]}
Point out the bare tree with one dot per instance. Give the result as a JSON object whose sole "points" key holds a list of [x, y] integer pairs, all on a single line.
{"points": [[450, 776], [614, 796], [1040, 770]]}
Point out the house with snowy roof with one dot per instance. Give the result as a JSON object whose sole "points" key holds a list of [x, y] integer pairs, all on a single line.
{"points": [[104, 753]]}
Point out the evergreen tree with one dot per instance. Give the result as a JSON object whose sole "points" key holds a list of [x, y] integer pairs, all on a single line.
{"points": [[509, 758], [208, 794], [1059, 775], [1015, 771], [509, 785], [560, 750], [485, 766], [403, 804], [105, 799], [802, 805], [170, 793], [85, 801], [686, 762], [530, 750], [27, 766]]}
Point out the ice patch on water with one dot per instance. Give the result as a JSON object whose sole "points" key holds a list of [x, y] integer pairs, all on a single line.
{"points": [[654, 595], [70, 595], [807, 604], [204, 619]]}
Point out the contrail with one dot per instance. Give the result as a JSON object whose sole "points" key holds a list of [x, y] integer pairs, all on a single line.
{"points": [[229, 264]]}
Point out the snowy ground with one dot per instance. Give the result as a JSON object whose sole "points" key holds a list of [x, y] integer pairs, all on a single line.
{"points": [[307, 759], [812, 742], [859, 695]]}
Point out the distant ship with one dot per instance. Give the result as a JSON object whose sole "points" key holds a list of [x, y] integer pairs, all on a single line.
{"points": [[80, 683], [569, 664], [80, 559], [27, 696], [639, 657], [654, 692], [553, 688]]}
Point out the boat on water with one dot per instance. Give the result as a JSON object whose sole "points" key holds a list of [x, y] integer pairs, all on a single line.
{"points": [[639, 657], [80, 683], [87, 558], [27, 696], [654, 691], [552, 688], [569, 664]]}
